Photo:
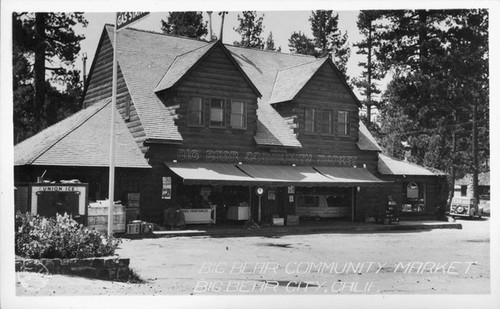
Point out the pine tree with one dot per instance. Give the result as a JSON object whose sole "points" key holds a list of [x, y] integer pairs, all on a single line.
{"points": [[372, 69], [250, 29], [189, 24], [327, 39], [270, 43], [440, 64], [44, 42], [299, 43]]}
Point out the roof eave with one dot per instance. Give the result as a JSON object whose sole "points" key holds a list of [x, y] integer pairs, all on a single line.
{"points": [[162, 141]]}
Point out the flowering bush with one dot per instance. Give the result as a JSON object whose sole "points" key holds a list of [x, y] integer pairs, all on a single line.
{"points": [[60, 237]]}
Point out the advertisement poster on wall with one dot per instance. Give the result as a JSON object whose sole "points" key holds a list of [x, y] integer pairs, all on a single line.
{"points": [[166, 191]]}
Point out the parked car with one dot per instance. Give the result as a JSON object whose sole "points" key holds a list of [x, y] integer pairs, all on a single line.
{"points": [[465, 207]]}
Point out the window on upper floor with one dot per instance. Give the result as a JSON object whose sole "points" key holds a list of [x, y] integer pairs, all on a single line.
{"points": [[217, 113], [343, 123], [238, 114], [310, 120], [195, 112], [327, 122]]}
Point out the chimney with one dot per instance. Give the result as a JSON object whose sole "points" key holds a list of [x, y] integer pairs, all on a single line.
{"points": [[407, 150], [210, 36], [84, 58]]}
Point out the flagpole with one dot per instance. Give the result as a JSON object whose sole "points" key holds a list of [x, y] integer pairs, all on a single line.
{"points": [[121, 20], [111, 188]]}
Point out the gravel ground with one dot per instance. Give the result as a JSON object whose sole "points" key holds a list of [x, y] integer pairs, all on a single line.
{"points": [[441, 261]]}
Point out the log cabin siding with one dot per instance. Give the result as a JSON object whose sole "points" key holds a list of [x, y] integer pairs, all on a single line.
{"points": [[325, 91], [214, 77], [322, 92], [100, 88]]}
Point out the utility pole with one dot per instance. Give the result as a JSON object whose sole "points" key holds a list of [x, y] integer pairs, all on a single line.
{"points": [[369, 88], [122, 20], [209, 26], [475, 167], [223, 13]]}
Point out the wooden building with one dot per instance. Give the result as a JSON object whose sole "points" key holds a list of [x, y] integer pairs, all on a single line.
{"points": [[205, 124]]}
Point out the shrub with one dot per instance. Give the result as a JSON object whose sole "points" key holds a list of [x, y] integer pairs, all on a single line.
{"points": [[60, 237]]}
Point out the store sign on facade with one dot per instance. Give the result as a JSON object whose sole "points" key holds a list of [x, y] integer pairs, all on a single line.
{"points": [[263, 157], [412, 190]]}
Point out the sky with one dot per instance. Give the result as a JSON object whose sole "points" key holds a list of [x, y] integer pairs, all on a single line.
{"points": [[281, 23]]}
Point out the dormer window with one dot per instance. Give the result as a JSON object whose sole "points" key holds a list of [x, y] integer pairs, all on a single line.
{"points": [[217, 111], [238, 114], [327, 122], [343, 123], [310, 120], [195, 112]]}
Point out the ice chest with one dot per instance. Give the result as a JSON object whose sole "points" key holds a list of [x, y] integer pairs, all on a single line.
{"points": [[278, 221]]}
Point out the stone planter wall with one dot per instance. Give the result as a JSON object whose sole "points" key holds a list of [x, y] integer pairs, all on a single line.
{"points": [[108, 268]]}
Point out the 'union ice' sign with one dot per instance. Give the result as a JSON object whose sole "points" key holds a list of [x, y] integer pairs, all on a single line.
{"points": [[263, 157]]}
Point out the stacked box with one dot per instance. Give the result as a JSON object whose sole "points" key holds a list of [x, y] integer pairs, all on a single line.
{"points": [[292, 220], [133, 228]]}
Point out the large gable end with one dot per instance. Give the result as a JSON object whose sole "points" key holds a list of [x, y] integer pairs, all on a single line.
{"points": [[184, 64], [344, 82]]}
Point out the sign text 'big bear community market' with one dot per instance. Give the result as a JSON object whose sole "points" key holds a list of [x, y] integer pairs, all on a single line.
{"points": [[263, 157]]}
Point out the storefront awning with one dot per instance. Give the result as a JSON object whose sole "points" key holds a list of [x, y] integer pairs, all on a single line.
{"points": [[286, 175], [210, 173], [350, 176], [272, 175]]}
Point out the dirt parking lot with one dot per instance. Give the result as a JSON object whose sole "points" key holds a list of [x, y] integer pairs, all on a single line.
{"points": [[441, 261]]}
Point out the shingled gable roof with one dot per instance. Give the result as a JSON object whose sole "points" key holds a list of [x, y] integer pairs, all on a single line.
{"points": [[290, 81], [143, 58], [272, 129], [483, 179], [81, 140], [183, 64], [390, 166], [366, 140]]}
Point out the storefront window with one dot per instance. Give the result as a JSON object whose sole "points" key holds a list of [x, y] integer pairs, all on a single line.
{"points": [[335, 197], [195, 112], [238, 114], [413, 197], [308, 201], [217, 113], [338, 200]]}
